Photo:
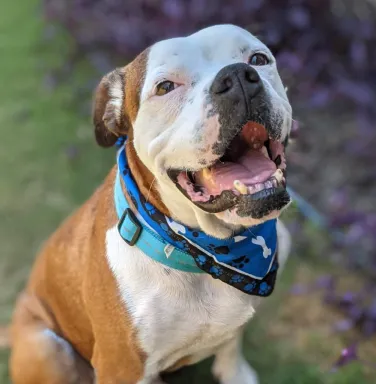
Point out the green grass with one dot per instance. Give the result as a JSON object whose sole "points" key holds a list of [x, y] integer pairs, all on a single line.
{"points": [[48, 160], [49, 164], [276, 361]]}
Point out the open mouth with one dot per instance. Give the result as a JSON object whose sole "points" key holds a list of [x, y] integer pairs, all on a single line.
{"points": [[250, 176]]}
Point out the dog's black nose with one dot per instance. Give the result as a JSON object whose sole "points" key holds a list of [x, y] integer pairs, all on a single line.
{"points": [[236, 81]]}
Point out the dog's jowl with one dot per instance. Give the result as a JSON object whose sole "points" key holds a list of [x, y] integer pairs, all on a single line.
{"points": [[166, 263]]}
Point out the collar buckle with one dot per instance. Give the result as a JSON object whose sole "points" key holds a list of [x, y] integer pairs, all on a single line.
{"points": [[129, 227]]}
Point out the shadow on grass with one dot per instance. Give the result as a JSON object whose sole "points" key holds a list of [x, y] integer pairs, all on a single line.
{"points": [[195, 374]]}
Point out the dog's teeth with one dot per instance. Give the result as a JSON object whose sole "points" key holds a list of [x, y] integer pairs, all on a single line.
{"points": [[257, 145], [274, 182], [268, 184], [206, 173], [258, 187], [241, 187], [278, 174], [265, 152], [251, 189]]}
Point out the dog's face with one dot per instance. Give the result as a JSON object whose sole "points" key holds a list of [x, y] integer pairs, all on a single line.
{"points": [[209, 117]]}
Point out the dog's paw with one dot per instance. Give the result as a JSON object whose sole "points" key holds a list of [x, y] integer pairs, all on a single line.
{"points": [[243, 374]]}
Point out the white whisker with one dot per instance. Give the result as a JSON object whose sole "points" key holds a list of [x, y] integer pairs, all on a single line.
{"points": [[151, 186]]}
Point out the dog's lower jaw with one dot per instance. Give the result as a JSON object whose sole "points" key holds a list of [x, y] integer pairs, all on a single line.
{"points": [[232, 219], [187, 213], [220, 225], [213, 226]]}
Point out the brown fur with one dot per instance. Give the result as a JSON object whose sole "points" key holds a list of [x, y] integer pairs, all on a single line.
{"points": [[143, 177], [129, 81], [108, 128], [134, 80], [71, 290]]}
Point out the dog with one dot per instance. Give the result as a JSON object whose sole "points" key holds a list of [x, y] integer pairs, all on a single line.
{"points": [[205, 120]]}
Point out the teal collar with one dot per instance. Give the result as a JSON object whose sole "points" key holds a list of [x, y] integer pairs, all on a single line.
{"points": [[247, 261], [134, 230]]}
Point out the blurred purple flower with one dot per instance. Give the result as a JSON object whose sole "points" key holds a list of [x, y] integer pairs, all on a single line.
{"points": [[369, 328], [343, 325], [321, 97], [347, 299], [299, 289], [325, 281], [289, 60], [348, 356], [299, 17], [358, 54], [338, 200], [371, 312], [173, 8], [360, 93], [295, 128], [356, 313]]}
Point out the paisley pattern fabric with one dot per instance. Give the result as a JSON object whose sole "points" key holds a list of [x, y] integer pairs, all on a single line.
{"points": [[248, 261]]}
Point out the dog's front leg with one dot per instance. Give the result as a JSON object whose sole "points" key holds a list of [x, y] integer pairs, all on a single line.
{"points": [[111, 370], [113, 366], [230, 366]]}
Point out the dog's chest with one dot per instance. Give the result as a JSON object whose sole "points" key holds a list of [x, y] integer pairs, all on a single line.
{"points": [[176, 314]]}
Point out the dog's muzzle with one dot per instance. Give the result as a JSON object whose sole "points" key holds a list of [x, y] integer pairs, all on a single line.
{"points": [[249, 173]]}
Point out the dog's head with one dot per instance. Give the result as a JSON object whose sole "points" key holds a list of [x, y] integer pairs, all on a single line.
{"points": [[209, 119]]}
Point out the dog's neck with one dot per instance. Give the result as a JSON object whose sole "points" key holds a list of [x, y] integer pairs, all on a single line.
{"points": [[185, 212]]}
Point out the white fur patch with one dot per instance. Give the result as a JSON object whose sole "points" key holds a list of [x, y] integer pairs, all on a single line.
{"points": [[114, 108], [116, 97], [177, 314]]}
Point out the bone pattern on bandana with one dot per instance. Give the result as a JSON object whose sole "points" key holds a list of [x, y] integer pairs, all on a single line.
{"points": [[247, 261]]}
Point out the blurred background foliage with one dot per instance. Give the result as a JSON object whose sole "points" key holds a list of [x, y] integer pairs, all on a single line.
{"points": [[320, 327]]}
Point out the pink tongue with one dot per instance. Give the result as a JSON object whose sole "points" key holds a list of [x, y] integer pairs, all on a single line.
{"points": [[252, 168]]}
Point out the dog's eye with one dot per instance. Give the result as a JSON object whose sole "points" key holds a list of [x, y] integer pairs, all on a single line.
{"points": [[165, 87], [259, 59]]}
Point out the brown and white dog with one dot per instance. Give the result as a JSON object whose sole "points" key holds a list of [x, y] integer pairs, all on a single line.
{"points": [[97, 310]]}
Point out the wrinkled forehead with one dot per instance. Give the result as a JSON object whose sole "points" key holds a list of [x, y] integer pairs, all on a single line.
{"points": [[218, 45]]}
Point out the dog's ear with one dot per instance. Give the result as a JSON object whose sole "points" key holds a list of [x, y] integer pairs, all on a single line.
{"points": [[109, 115]]}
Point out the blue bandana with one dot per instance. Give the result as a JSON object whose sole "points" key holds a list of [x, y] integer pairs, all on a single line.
{"points": [[247, 261]]}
